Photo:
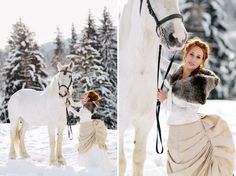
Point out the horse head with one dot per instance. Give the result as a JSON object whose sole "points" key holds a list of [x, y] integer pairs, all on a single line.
{"points": [[162, 18], [64, 78]]}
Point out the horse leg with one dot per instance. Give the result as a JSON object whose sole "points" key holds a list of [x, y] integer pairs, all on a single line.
{"points": [[51, 132], [122, 160], [23, 152], [14, 139], [139, 154], [60, 158]]}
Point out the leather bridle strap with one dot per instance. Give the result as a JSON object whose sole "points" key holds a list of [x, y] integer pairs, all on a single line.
{"points": [[158, 103], [67, 87], [70, 133], [152, 13], [65, 71], [140, 7]]}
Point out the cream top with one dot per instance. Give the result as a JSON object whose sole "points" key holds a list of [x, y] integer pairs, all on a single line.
{"points": [[179, 111]]}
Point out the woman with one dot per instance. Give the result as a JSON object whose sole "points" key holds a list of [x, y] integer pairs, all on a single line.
{"points": [[92, 136], [198, 145]]}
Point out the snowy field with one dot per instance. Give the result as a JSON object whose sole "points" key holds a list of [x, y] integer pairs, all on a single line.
{"points": [[155, 164], [37, 145]]}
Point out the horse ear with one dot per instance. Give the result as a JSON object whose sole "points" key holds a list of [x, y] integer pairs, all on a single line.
{"points": [[59, 66], [71, 65]]}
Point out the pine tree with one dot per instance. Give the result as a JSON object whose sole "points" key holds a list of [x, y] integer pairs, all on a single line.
{"points": [[3, 56], [89, 69], [86, 56], [90, 32], [73, 40], [59, 53], [205, 19], [108, 51], [24, 65]]}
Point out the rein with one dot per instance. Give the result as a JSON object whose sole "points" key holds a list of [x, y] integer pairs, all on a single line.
{"points": [[158, 103], [70, 133]]}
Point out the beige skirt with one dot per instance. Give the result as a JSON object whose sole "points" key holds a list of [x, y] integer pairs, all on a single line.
{"points": [[92, 132], [202, 148]]}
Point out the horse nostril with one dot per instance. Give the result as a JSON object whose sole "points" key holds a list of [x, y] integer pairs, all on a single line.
{"points": [[172, 39]]}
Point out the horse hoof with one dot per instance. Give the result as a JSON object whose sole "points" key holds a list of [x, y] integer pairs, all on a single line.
{"points": [[62, 161], [12, 156], [53, 163], [25, 155]]}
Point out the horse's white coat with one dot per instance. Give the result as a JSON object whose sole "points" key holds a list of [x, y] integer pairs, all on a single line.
{"points": [[38, 108], [138, 46]]}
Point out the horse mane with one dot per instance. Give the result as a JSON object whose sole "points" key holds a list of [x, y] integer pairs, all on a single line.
{"points": [[125, 21], [52, 87]]}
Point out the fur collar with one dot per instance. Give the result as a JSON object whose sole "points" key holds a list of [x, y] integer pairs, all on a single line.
{"points": [[196, 88]]}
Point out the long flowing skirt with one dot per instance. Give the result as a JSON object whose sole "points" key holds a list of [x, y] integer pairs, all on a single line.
{"points": [[96, 158], [201, 148]]}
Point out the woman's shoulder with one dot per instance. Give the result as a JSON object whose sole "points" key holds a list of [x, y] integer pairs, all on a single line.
{"points": [[208, 72], [194, 89], [208, 75]]}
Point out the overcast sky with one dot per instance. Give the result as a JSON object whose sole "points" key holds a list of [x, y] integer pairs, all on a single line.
{"points": [[44, 16]]}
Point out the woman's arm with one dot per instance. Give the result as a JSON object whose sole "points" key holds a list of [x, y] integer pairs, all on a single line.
{"points": [[72, 110], [75, 104]]}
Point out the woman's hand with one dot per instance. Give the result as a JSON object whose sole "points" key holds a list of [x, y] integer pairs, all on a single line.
{"points": [[161, 95]]}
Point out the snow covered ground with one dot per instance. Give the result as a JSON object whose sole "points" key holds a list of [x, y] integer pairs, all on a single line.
{"points": [[38, 147], [155, 164]]}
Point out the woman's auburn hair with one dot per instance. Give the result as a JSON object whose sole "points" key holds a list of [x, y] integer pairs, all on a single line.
{"points": [[92, 96], [199, 43]]}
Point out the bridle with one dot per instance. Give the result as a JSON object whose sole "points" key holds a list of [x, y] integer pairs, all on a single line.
{"points": [[158, 103], [68, 119], [63, 85], [152, 13]]}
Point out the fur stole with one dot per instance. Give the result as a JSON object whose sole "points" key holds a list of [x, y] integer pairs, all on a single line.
{"points": [[194, 89]]}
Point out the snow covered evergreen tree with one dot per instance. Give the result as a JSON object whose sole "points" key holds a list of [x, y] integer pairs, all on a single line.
{"points": [[86, 53], [108, 51], [59, 52], [73, 40], [24, 65], [3, 56], [206, 19], [90, 73]]}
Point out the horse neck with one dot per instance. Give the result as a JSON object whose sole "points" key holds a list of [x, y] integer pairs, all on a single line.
{"points": [[52, 89], [135, 37]]}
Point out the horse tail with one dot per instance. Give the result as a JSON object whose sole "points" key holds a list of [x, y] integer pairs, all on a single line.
{"points": [[18, 134]]}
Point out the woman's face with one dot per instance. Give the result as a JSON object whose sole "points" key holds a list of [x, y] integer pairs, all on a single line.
{"points": [[194, 58], [85, 99]]}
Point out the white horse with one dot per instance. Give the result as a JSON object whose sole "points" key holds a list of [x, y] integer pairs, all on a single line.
{"points": [[139, 39], [28, 107]]}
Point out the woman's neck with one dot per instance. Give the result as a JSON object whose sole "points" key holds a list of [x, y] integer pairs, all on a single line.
{"points": [[186, 73]]}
